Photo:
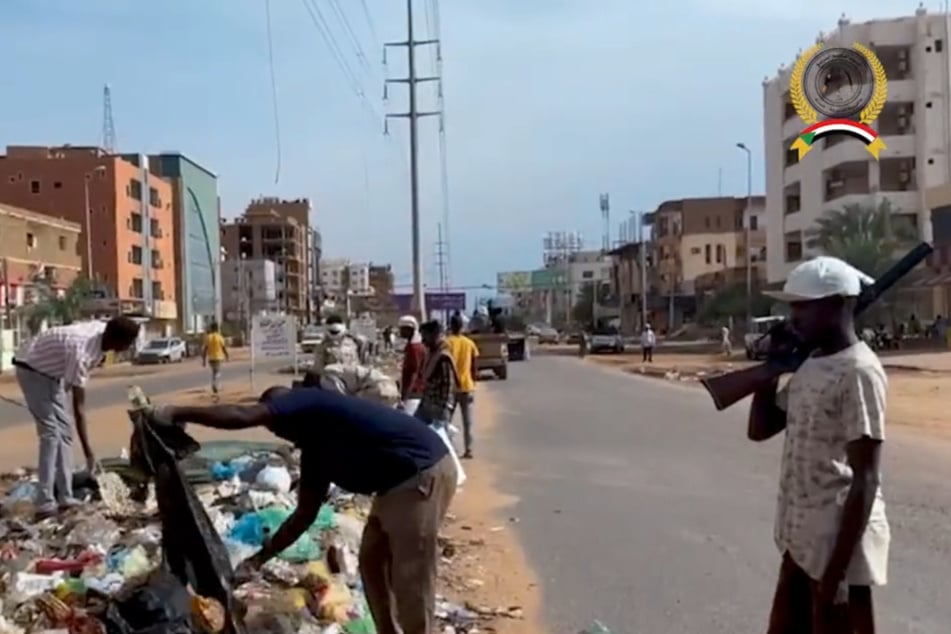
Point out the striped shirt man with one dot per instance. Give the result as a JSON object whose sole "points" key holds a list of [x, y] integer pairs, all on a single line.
{"points": [[66, 353]]}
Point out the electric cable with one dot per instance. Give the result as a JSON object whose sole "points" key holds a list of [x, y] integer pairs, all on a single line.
{"points": [[274, 101]]}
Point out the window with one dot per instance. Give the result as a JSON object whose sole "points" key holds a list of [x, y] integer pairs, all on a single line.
{"points": [[34, 187], [718, 222], [134, 190], [754, 222], [157, 292], [57, 185], [794, 246], [154, 199], [157, 260], [135, 222], [587, 275], [695, 251], [706, 222], [707, 252], [62, 243], [155, 230], [135, 255], [720, 250], [938, 46], [30, 241], [137, 288], [49, 272]]}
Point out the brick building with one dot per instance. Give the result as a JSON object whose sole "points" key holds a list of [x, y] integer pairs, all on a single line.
{"points": [[129, 213]]}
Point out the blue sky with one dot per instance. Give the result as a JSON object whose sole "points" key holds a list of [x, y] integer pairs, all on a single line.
{"points": [[549, 103]]}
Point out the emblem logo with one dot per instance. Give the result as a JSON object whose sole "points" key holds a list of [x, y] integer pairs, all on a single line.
{"points": [[838, 90]]}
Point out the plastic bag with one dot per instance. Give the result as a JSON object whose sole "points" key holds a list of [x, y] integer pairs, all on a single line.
{"points": [[161, 606], [461, 473], [254, 528], [276, 479], [192, 549]]}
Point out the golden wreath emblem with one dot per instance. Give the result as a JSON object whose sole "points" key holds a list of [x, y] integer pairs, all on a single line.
{"points": [[838, 90]]}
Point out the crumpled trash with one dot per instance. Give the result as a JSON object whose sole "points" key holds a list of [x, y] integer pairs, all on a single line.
{"points": [[596, 628], [273, 478]]}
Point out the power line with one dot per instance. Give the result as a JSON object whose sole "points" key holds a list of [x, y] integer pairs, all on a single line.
{"points": [[320, 23], [370, 21], [277, 116], [354, 40]]}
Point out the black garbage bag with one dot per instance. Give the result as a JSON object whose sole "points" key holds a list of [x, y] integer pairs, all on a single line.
{"points": [[192, 549], [160, 606]]}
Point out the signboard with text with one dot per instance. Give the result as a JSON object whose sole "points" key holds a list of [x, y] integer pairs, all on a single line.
{"points": [[514, 281], [434, 301], [273, 336], [548, 279]]}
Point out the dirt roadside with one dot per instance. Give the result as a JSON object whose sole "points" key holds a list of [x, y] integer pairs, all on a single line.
{"points": [[488, 568], [918, 389]]}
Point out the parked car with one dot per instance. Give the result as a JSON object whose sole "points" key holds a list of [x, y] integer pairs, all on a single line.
{"points": [[607, 340], [548, 335], [167, 350]]}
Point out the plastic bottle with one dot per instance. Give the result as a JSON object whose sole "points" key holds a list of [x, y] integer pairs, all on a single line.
{"points": [[137, 398]]}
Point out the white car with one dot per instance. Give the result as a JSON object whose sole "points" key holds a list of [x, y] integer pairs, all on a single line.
{"points": [[168, 350], [607, 341]]}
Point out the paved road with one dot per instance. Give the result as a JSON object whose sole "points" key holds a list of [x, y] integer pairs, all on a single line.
{"points": [[642, 506], [166, 379]]}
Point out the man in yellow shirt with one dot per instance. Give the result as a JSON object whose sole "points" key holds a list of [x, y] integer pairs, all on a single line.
{"points": [[464, 353], [213, 354]]}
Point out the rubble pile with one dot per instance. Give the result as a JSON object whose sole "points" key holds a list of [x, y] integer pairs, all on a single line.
{"points": [[99, 568]]}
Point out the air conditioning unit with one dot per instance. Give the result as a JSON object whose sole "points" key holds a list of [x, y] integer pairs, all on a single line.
{"points": [[904, 177], [902, 66], [902, 122]]}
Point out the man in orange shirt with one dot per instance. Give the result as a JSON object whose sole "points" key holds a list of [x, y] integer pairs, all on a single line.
{"points": [[464, 353]]}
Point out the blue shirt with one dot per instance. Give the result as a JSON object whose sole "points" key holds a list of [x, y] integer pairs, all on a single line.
{"points": [[361, 446]]}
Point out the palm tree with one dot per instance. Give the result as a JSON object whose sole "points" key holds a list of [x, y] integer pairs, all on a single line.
{"points": [[52, 308], [866, 236]]}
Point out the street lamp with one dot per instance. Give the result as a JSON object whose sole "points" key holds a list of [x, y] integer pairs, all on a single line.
{"points": [[747, 220], [101, 169]]}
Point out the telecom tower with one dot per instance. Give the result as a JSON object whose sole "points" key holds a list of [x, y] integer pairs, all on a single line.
{"points": [[605, 205], [108, 125]]}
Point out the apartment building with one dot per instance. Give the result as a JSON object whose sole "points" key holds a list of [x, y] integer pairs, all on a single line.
{"points": [[915, 127], [127, 227], [195, 206], [249, 287], [338, 275], [703, 239], [279, 231]]}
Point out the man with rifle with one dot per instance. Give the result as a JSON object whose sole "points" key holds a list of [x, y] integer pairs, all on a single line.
{"points": [[830, 523]]}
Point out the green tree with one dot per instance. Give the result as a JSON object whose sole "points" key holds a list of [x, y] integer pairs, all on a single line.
{"points": [[54, 309], [730, 302], [869, 237]]}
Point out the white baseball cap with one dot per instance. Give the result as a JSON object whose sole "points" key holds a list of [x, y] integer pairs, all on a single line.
{"points": [[408, 321], [820, 277]]}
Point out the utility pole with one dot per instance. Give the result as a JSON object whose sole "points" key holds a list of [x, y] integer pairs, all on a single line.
{"points": [[413, 115], [441, 265], [642, 248], [747, 221]]}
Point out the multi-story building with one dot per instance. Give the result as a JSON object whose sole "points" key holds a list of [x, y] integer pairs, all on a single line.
{"points": [[249, 287], [279, 230], [915, 126], [34, 248], [125, 211], [701, 239], [195, 205], [339, 275]]}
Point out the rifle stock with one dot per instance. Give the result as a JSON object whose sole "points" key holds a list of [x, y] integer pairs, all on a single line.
{"points": [[731, 387]]}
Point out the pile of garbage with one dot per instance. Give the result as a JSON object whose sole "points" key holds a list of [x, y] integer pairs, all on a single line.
{"points": [[100, 568]]}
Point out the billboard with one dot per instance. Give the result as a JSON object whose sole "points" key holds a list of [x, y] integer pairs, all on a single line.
{"points": [[514, 281], [434, 301], [548, 279]]}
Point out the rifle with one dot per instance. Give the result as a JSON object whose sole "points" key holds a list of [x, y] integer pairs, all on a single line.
{"points": [[732, 387]]}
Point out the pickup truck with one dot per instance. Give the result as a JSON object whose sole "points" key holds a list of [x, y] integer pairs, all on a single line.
{"points": [[493, 353], [607, 341]]}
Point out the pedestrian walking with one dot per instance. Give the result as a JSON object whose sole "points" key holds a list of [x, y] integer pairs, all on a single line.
{"points": [[368, 449], [464, 355], [414, 358], [50, 366], [726, 344], [214, 352], [648, 341], [831, 529]]}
